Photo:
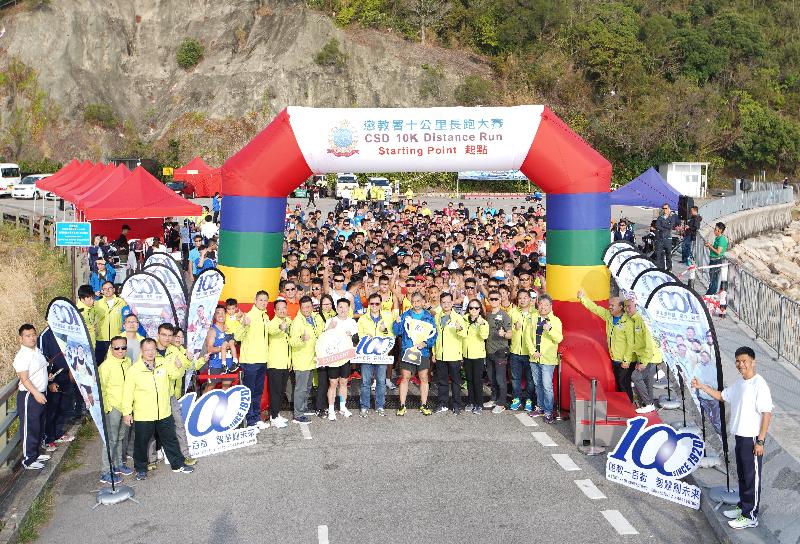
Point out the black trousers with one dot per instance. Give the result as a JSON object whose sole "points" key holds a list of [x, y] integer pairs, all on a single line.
{"points": [[473, 368], [55, 415], [277, 380], [663, 247], [448, 375], [496, 367], [164, 432], [31, 424], [748, 468], [623, 377], [321, 401]]}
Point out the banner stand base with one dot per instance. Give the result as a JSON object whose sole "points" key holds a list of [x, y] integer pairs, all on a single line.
{"points": [[592, 450], [660, 384], [710, 460], [694, 429], [107, 496], [668, 404], [722, 495]]}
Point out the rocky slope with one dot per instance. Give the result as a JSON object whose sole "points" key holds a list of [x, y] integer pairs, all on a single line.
{"points": [[774, 257], [259, 58]]}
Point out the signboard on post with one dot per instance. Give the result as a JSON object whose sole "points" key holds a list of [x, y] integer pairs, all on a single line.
{"points": [[167, 171], [73, 234], [654, 459]]}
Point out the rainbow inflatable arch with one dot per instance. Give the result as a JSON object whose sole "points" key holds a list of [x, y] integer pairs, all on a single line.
{"points": [[300, 142]]}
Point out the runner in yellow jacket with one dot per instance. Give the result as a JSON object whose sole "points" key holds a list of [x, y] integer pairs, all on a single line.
{"points": [[279, 362], [645, 354], [448, 354], [305, 330], [111, 375], [108, 311], [543, 338], [253, 354]]}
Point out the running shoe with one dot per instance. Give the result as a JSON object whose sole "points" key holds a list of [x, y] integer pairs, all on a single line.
{"points": [[123, 470], [345, 412], [183, 470], [743, 523], [50, 446], [189, 461], [141, 476], [262, 425], [468, 408], [442, 409], [732, 513], [364, 412], [302, 420], [152, 466], [549, 419], [331, 415], [489, 404], [107, 478], [477, 410], [528, 405], [536, 412], [64, 438], [278, 423], [425, 410], [36, 465], [646, 409], [498, 409], [381, 412], [402, 410], [390, 385], [515, 404], [43, 457]]}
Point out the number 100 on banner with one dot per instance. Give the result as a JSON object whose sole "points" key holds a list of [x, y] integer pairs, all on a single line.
{"points": [[374, 350]]}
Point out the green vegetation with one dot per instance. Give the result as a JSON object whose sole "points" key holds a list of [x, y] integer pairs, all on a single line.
{"points": [[189, 54], [644, 81], [86, 432], [331, 55], [40, 512], [101, 115], [431, 84]]}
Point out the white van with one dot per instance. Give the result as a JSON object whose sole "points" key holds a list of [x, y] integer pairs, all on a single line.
{"points": [[345, 182], [9, 176]]}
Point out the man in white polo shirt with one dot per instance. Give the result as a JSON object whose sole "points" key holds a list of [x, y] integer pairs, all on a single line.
{"points": [[31, 367], [751, 412]]}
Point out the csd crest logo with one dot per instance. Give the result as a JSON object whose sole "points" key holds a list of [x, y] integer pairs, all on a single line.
{"points": [[343, 140]]}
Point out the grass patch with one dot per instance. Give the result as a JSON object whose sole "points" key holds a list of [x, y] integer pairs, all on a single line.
{"points": [[40, 512], [86, 432], [31, 274]]}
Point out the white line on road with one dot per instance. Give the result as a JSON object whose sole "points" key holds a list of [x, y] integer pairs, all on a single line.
{"points": [[565, 461], [589, 489], [619, 523], [526, 420], [306, 432], [544, 439], [322, 534]]}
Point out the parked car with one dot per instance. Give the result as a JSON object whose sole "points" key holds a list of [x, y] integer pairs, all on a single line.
{"points": [[27, 187], [183, 188], [9, 176], [345, 182], [381, 183]]}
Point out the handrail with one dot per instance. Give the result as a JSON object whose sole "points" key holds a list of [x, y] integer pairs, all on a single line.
{"points": [[10, 452]]}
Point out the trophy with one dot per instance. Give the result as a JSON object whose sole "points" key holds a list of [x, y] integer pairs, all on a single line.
{"points": [[418, 331]]}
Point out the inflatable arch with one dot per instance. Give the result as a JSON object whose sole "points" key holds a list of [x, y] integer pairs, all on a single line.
{"points": [[304, 141]]}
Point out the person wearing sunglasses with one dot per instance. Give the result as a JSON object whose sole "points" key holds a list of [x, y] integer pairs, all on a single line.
{"points": [[521, 316], [474, 351], [375, 323], [666, 222], [447, 354], [500, 332], [422, 366], [111, 375]]}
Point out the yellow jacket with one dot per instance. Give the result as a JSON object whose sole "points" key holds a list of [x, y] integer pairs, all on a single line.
{"points": [[368, 327], [254, 338], [90, 318], [474, 343], [449, 344], [146, 392], [304, 351], [178, 353], [548, 342], [619, 336], [644, 349], [112, 381], [518, 344], [280, 352], [109, 320]]}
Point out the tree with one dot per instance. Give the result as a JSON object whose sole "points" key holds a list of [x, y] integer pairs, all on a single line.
{"points": [[427, 14]]}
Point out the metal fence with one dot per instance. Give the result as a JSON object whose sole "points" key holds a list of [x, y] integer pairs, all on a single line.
{"points": [[9, 445], [773, 316]]}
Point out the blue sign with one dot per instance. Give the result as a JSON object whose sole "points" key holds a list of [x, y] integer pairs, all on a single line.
{"points": [[73, 234], [212, 420], [653, 459]]}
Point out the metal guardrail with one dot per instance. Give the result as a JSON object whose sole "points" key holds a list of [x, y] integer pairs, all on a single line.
{"points": [[38, 226], [10, 452], [774, 317]]}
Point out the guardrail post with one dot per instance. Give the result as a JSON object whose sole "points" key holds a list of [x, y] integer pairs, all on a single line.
{"points": [[780, 327]]}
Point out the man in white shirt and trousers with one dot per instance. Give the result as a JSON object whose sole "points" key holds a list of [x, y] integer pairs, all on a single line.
{"points": [[31, 367], [751, 412]]}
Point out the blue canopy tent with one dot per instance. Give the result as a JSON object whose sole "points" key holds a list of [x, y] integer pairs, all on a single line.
{"points": [[648, 190]]}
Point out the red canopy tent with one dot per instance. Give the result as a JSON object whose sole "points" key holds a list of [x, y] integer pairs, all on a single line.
{"points": [[205, 180], [68, 172], [103, 186]]}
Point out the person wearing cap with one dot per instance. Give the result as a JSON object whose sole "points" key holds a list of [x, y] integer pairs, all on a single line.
{"points": [[104, 272]]}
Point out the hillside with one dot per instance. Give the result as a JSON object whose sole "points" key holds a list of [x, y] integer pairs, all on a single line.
{"points": [[644, 81]]}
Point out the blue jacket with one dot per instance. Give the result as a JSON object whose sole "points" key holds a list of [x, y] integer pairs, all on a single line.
{"points": [[96, 282], [406, 342]]}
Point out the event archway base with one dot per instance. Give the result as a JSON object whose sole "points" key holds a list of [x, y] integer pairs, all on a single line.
{"points": [[300, 142]]}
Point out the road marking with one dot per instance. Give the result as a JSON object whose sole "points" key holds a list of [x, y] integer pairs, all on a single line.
{"points": [[565, 461], [526, 420], [589, 489], [544, 439], [619, 523], [322, 534], [306, 432]]}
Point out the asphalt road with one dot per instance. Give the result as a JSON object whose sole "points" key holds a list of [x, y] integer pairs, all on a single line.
{"points": [[443, 478]]}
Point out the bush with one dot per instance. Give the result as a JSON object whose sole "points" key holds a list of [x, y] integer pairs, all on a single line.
{"points": [[331, 55], [190, 53], [474, 91], [101, 115]]}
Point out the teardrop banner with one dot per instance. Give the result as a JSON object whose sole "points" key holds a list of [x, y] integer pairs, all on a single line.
{"points": [[169, 262], [174, 287], [149, 299]]}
